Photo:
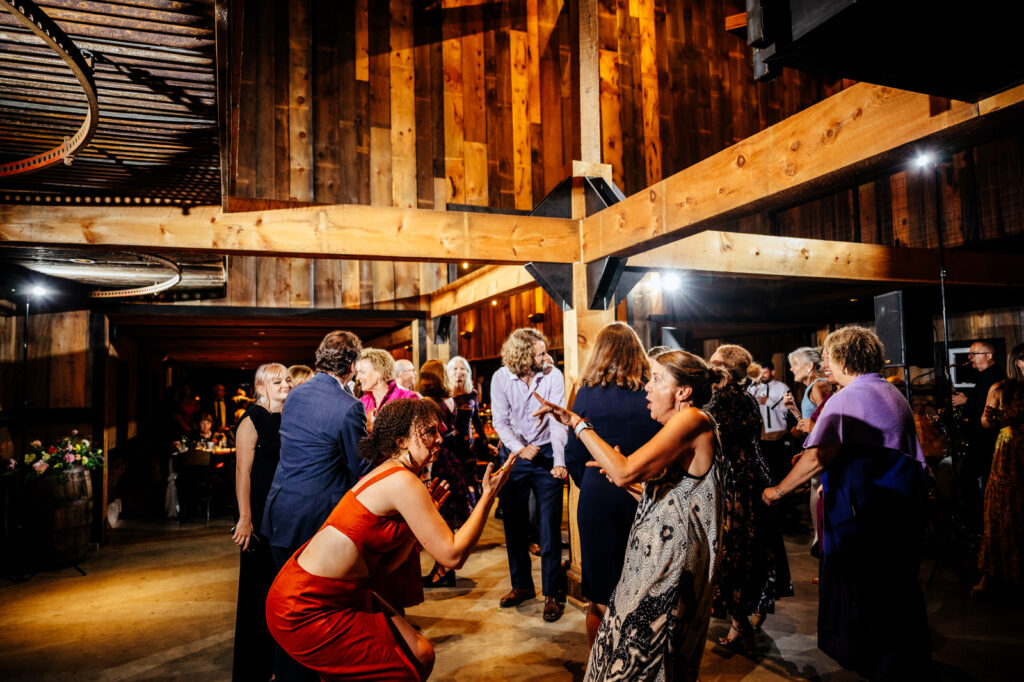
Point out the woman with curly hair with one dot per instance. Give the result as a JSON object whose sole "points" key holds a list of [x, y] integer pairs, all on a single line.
{"points": [[322, 609], [875, 485]]}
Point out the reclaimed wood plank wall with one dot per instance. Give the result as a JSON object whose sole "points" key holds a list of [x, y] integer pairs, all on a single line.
{"points": [[489, 325]]}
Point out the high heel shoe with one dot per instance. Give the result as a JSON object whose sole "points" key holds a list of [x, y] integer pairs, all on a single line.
{"points": [[742, 641], [432, 579]]}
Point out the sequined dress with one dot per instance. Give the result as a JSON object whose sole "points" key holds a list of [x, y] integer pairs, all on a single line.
{"points": [[657, 620]]}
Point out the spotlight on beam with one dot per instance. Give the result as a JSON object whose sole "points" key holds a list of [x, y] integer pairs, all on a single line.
{"points": [[38, 291], [671, 281], [924, 159]]}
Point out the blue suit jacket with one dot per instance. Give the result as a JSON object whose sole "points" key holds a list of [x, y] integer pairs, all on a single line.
{"points": [[321, 425]]}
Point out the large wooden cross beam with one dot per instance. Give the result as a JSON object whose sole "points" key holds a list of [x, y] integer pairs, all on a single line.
{"points": [[756, 255], [863, 129], [340, 231]]}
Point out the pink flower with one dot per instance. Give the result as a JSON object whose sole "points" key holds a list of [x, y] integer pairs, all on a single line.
{"points": [[40, 467], [69, 458], [74, 432], [11, 464]]}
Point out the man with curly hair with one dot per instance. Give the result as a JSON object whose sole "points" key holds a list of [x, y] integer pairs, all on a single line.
{"points": [[540, 467]]}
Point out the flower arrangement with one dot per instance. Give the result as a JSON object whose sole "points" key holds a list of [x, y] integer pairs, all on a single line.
{"points": [[71, 451]]}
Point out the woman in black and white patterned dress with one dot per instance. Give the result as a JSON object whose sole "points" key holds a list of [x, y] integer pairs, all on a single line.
{"points": [[657, 621]]}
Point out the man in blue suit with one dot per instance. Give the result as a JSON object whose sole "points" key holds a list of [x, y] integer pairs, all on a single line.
{"points": [[321, 426]]}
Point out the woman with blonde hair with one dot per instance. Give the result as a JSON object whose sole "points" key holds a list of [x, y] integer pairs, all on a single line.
{"points": [[754, 571], [299, 374], [257, 449], [375, 372], [611, 397], [470, 442]]}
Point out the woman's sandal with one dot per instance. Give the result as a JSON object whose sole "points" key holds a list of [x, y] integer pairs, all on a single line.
{"points": [[757, 620], [738, 640], [433, 579]]}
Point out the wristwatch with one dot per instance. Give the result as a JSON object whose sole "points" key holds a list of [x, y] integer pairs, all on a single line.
{"points": [[583, 424]]}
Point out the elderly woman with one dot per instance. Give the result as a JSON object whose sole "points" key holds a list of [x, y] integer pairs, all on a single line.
{"points": [[875, 485], [322, 608], [375, 372]]}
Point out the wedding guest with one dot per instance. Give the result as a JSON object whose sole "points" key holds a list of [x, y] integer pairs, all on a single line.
{"points": [[1001, 560], [471, 444], [299, 374], [257, 450], [657, 622], [875, 493], [321, 608], [754, 571], [612, 399], [540, 468], [405, 374]]}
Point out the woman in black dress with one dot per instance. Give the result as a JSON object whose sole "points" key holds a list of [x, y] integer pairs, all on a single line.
{"points": [[754, 571], [469, 441], [257, 449], [612, 398]]}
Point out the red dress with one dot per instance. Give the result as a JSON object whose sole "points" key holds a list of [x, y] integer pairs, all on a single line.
{"points": [[330, 624]]}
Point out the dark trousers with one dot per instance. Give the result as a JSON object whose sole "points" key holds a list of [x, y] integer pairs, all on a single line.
{"points": [[287, 669], [534, 475]]}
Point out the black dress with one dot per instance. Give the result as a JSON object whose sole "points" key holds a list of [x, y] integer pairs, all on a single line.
{"points": [[754, 571], [605, 511], [254, 648]]}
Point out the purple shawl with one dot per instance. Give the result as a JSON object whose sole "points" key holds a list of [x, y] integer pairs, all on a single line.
{"points": [[870, 411]]}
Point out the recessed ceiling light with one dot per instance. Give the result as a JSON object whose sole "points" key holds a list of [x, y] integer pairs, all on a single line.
{"points": [[82, 261]]}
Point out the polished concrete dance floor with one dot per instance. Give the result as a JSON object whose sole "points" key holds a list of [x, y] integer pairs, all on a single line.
{"points": [[158, 603]]}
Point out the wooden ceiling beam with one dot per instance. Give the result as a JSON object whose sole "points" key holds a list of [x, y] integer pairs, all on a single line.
{"points": [[861, 130], [337, 231], [756, 255], [396, 339], [478, 286]]}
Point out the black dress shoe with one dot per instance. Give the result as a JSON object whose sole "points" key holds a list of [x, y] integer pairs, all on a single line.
{"points": [[552, 609], [516, 597]]}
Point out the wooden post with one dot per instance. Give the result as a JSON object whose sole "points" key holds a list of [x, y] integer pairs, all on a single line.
{"points": [[579, 329]]}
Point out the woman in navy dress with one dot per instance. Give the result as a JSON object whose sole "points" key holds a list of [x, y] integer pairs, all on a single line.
{"points": [[613, 400]]}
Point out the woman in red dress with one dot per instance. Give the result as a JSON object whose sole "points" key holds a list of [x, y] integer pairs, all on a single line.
{"points": [[321, 609]]}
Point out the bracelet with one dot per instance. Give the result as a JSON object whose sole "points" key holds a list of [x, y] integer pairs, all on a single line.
{"points": [[779, 493]]}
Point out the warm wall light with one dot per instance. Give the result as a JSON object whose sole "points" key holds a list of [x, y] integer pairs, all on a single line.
{"points": [[536, 318], [494, 301], [466, 334], [465, 266]]}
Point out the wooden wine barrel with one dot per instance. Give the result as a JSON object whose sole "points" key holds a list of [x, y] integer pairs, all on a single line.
{"points": [[65, 508]]}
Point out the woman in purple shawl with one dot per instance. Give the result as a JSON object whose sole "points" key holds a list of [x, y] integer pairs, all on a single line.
{"points": [[871, 614]]}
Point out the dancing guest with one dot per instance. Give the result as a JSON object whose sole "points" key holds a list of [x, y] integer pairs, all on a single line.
{"points": [[769, 393], [754, 570], [405, 374], [540, 444], [1002, 544], [805, 364], [375, 372], [299, 374], [657, 621], [875, 493], [446, 467], [612, 399], [257, 449], [469, 427], [321, 608]]}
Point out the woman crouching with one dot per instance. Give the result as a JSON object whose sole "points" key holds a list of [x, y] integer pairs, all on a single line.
{"points": [[320, 608]]}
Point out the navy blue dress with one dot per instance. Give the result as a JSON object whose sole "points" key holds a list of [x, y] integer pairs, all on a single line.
{"points": [[605, 511]]}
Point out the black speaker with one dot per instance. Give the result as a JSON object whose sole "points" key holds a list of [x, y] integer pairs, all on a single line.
{"points": [[904, 325]]}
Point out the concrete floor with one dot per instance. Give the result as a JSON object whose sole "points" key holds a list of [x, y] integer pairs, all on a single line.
{"points": [[158, 603]]}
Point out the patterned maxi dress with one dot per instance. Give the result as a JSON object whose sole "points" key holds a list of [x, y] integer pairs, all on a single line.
{"points": [[755, 570], [1002, 545], [657, 620]]}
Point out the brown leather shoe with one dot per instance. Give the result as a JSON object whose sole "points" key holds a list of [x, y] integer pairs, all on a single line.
{"points": [[516, 597], [534, 549], [552, 609]]}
